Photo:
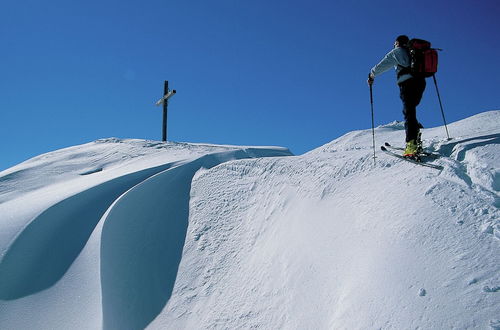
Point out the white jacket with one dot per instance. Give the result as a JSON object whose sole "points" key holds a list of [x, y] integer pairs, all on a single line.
{"points": [[397, 58]]}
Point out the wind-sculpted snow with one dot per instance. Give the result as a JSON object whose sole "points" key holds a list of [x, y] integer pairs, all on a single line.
{"points": [[142, 242], [330, 240], [50, 243], [44, 249], [351, 249], [227, 238]]}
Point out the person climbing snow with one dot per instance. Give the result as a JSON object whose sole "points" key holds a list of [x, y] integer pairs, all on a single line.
{"points": [[411, 90]]}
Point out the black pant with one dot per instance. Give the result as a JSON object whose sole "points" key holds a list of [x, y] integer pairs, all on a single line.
{"points": [[411, 92]]}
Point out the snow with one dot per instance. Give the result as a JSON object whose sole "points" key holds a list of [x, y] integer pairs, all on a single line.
{"points": [[133, 234]]}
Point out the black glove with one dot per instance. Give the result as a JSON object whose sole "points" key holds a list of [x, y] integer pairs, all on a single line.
{"points": [[370, 79]]}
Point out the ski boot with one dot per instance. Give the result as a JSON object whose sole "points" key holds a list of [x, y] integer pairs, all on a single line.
{"points": [[411, 150], [420, 148]]}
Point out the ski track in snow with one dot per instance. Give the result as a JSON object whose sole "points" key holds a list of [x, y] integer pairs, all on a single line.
{"points": [[273, 191], [222, 237]]}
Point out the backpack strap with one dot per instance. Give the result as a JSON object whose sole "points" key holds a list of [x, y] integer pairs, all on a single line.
{"points": [[404, 69]]}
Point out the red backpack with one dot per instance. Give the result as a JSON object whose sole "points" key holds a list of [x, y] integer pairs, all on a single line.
{"points": [[424, 59]]}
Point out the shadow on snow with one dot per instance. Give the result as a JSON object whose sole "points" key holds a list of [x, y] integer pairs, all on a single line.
{"points": [[44, 250], [142, 242]]}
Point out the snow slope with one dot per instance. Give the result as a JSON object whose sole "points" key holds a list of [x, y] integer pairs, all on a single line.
{"points": [[52, 212], [129, 234]]}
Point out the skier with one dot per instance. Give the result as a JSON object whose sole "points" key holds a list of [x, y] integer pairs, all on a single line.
{"points": [[411, 91]]}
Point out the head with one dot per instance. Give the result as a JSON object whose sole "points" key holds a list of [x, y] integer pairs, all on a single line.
{"points": [[401, 41]]}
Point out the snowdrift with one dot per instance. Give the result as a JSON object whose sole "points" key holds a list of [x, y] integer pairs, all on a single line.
{"points": [[131, 234]]}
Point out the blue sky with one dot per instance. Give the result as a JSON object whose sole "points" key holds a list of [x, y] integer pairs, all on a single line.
{"points": [[275, 72]]}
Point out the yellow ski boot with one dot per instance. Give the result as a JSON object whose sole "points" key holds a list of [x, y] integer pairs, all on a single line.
{"points": [[411, 150]]}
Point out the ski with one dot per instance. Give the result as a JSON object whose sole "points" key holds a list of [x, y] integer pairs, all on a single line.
{"points": [[411, 160], [423, 153]]}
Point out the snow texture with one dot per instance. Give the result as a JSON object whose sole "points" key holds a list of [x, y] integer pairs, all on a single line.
{"points": [[134, 234]]}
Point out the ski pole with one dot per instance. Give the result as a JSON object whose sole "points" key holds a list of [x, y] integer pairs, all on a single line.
{"points": [[441, 106], [373, 123]]}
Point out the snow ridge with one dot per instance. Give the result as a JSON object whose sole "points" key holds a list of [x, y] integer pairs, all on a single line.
{"points": [[43, 245], [157, 212], [131, 234]]}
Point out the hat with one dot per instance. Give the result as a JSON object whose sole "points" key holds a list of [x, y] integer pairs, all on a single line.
{"points": [[403, 39]]}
